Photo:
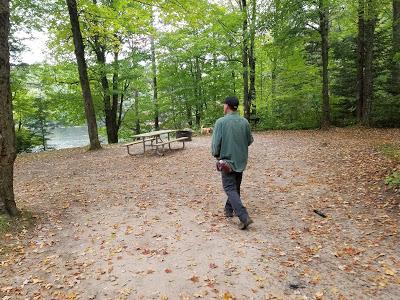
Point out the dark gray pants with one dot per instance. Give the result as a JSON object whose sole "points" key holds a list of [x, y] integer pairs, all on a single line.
{"points": [[231, 183]]}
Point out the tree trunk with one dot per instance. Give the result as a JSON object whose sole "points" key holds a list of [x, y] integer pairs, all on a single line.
{"points": [[215, 78], [101, 60], [199, 100], [109, 104], [189, 115], [367, 19], [324, 32], [137, 119], [245, 61], [83, 76], [114, 106], [234, 82], [370, 25], [121, 104], [261, 81], [273, 79], [360, 60], [155, 90], [7, 129], [43, 134], [252, 60], [396, 48]]}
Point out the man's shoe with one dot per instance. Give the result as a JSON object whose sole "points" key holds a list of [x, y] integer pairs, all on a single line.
{"points": [[244, 225], [228, 214]]}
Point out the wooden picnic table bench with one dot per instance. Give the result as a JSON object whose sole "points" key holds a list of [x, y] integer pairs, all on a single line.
{"points": [[151, 140], [169, 142], [155, 142]]}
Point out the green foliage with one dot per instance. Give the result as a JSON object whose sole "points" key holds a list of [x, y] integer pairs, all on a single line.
{"points": [[391, 150], [199, 63], [40, 123], [26, 140], [393, 180], [23, 221], [4, 223]]}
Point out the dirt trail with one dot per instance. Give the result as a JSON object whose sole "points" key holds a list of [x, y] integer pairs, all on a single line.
{"points": [[113, 226]]}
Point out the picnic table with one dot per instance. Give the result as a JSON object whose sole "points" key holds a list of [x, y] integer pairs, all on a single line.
{"points": [[154, 141]]}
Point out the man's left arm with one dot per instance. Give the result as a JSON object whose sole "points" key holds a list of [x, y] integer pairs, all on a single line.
{"points": [[216, 140]]}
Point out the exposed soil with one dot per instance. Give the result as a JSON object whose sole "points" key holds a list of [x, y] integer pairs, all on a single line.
{"points": [[113, 226]]}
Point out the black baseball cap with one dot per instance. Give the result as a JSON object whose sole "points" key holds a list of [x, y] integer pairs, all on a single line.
{"points": [[232, 101]]}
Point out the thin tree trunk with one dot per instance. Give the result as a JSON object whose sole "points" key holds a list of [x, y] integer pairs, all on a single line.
{"points": [[214, 86], [43, 133], [109, 105], [121, 104], [273, 79], [234, 82], [261, 81], [7, 129], [396, 48], [370, 25], [83, 76], [252, 60], [137, 119], [189, 115], [114, 105], [199, 100], [155, 90], [245, 61], [360, 60], [324, 32], [101, 60]]}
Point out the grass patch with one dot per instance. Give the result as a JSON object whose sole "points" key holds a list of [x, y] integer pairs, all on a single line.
{"points": [[13, 226], [393, 180], [4, 223], [25, 220], [391, 150]]}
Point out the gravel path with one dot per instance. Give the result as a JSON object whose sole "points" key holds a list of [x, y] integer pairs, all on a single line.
{"points": [[111, 226]]}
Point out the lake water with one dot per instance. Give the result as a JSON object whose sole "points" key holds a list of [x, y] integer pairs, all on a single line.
{"points": [[68, 137]]}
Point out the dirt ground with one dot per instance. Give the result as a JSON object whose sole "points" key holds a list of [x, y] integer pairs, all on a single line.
{"points": [[112, 226]]}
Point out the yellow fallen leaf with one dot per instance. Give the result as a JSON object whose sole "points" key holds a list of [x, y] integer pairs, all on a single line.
{"points": [[126, 291], [319, 295], [228, 296], [390, 272], [71, 296]]}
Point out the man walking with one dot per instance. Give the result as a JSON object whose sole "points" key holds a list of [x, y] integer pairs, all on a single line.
{"points": [[230, 141]]}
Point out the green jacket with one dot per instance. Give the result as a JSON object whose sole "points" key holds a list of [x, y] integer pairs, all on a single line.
{"points": [[231, 139]]}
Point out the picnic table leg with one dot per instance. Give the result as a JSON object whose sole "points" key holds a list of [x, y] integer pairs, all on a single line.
{"points": [[158, 151], [169, 145], [144, 145]]}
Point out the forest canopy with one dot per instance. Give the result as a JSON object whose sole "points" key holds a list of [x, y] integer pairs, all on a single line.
{"points": [[293, 64]]}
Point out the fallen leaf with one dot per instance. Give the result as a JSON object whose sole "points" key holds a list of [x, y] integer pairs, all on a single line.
{"points": [[213, 266], [228, 296], [71, 296], [319, 295], [389, 271]]}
